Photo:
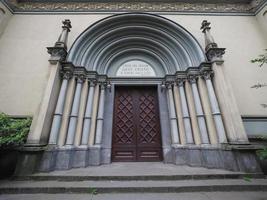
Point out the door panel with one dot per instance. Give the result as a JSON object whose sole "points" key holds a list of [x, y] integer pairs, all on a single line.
{"points": [[136, 128]]}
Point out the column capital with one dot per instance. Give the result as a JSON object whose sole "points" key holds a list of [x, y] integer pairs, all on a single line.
{"points": [[180, 82], [215, 55], [192, 78], [207, 75], [57, 54], [67, 75], [92, 82], [80, 78]]}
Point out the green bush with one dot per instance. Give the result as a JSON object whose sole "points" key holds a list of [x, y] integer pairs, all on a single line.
{"points": [[13, 132]]}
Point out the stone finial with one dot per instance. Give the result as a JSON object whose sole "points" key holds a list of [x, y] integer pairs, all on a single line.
{"points": [[66, 24], [59, 51], [205, 25], [213, 53]]}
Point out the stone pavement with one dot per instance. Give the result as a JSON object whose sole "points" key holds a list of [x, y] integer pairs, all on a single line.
{"points": [[146, 196]]}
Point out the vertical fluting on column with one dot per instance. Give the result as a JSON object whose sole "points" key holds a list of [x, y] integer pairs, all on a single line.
{"points": [[74, 112], [66, 112], [199, 111], [94, 113], [192, 111], [172, 115], [100, 116], [186, 117], [88, 115], [78, 134], [179, 115], [59, 110], [207, 110], [215, 109]]}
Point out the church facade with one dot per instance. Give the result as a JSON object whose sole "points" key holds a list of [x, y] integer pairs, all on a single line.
{"points": [[167, 81]]}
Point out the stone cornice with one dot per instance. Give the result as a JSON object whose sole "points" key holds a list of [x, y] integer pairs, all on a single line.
{"points": [[68, 70], [137, 6]]}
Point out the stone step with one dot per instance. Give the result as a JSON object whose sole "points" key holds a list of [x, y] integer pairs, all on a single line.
{"points": [[137, 177], [149, 186]]}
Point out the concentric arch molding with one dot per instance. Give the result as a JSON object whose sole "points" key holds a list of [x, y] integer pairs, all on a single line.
{"points": [[191, 6], [153, 39]]}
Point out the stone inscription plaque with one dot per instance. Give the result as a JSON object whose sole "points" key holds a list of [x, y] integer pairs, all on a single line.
{"points": [[136, 68]]}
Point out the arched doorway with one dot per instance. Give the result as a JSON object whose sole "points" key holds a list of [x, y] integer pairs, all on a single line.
{"points": [[146, 58]]}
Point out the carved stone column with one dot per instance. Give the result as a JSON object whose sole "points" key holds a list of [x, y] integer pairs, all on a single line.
{"points": [[94, 114], [74, 112], [207, 110], [215, 109], [78, 134], [63, 38], [88, 114], [59, 51], [59, 110], [40, 128], [199, 111], [192, 111], [100, 116], [179, 114], [231, 116], [186, 117], [172, 115], [66, 112]]}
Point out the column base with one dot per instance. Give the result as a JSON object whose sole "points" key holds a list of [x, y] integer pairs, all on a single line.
{"points": [[228, 157]]}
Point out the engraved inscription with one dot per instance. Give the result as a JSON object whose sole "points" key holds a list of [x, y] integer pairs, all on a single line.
{"points": [[136, 68]]}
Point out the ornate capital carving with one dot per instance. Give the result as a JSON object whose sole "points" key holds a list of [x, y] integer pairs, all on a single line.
{"points": [[180, 82], [192, 79], [92, 82], [66, 24], [81, 78], [207, 75], [57, 54], [67, 75], [215, 54]]}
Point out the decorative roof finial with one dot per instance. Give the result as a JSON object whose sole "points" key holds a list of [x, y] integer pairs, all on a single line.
{"points": [[59, 51], [212, 51]]}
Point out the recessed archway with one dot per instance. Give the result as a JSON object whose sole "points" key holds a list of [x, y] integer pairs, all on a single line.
{"points": [[150, 38]]}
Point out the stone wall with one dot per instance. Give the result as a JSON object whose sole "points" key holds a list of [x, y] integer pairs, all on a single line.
{"points": [[24, 60]]}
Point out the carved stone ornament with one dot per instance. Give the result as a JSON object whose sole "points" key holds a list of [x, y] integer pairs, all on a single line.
{"points": [[207, 75], [57, 54], [81, 78], [192, 78], [139, 6], [180, 82], [66, 24], [215, 54], [67, 75]]}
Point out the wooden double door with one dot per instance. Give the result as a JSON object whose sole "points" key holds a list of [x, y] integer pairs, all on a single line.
{"points": [[136, 125]]}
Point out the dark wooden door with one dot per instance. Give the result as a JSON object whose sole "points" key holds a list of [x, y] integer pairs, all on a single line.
{"points": [[136, 126]]}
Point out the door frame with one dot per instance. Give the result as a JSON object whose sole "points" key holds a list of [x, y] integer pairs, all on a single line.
{"points": [[106, 146]]}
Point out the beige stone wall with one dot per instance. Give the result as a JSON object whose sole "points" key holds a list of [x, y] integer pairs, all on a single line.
{"points": [[5, 16], [262, 18], [24, 66]]}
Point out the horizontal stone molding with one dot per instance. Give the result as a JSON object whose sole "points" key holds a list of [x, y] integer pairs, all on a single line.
{"points": [[205, 6]]}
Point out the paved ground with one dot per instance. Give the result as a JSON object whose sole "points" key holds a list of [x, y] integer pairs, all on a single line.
{"points": [[147, 196], [137, 168]]}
